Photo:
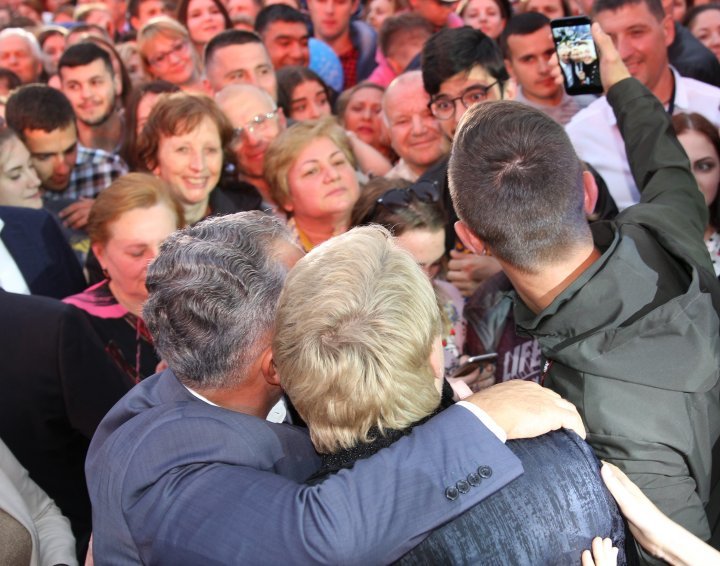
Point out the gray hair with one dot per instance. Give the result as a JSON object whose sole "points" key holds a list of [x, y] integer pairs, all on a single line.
{"points": [[29, 38], [213, 292]]}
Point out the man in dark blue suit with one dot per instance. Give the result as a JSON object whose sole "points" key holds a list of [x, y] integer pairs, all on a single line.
{"points": [[57, 384], [185, 470], [38, 249]]}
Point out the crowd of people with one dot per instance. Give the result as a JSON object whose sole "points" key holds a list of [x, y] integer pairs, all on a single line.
{"points": [[249, 249]]}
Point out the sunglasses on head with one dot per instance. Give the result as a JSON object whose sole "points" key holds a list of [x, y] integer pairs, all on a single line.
{"points": [[423, 191]]}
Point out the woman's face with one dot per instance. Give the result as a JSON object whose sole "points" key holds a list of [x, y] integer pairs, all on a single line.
{"points": [[704, 161], [135, 69], [134, 239], [309, 102], [378, 11], [145, 106], [191, 162], [706, 28], [204, 20], [53, 49], [363, 115], [486, 16], [19, 183], [170, 59], [426, 246], [322, 182]]}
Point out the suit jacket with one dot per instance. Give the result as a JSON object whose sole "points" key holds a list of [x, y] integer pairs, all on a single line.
{"points": [[175, 480], [549, 515], [57, 383], [40, 251]]}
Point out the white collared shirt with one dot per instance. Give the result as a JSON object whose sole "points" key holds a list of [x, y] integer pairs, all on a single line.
{"points": [[11, 279], [597, 140]]}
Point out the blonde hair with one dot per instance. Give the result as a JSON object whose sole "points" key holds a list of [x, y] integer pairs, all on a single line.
{"points": [[285, 148], [166, 27], [126, 193], [362, 359]]}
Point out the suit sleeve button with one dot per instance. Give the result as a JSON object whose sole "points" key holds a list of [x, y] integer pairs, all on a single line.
{"points": [[485, 472], [452, 493], [462, 486], [474, 479]]}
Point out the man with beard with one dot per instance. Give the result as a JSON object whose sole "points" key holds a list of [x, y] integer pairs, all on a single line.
{"points": [[71, 175], [89, 81]]}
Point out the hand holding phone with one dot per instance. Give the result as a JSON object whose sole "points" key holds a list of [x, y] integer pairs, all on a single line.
{"points": [[577, 55], [473, 363]]}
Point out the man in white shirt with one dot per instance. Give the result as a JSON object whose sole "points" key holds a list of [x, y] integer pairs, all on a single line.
{"points": [[641, 32]]}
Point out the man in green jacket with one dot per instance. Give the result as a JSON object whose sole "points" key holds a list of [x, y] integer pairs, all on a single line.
{"points": [[626, 312]]}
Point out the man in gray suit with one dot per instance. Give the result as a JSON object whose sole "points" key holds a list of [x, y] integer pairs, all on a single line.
{"points": [[185, 470]]}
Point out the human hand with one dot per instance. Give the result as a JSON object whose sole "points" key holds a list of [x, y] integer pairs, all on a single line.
{"points": [[467, 270], [612, 68], [647, 523], [523, 409], [652, 529], [76, 214], [603, 553]]}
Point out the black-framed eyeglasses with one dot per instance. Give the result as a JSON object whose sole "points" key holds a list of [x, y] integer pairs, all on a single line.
{"points": [[443, 107], [259, 123]]}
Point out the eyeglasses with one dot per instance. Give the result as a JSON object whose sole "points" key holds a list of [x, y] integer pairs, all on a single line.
{"points": [[259, 123], [162, 59], [443, 107]]}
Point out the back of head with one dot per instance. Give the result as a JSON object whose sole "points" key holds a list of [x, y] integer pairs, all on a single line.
{"points": [[226, 39], [398, 28], [654, 6], [277, 13], [38, 107], [453, 51], [516, 181], [213, 291], [362, 360], [522, 24], [82, 54]]}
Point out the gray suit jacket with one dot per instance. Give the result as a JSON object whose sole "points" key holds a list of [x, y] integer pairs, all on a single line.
{"points": [[174, 480]]}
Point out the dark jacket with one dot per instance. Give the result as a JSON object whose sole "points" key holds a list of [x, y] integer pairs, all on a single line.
{"points": [[692, 59], [57, 384], [35, 242], [633, 342], [364, 39]]}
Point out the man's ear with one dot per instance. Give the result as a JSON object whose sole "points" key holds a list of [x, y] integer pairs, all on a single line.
{"points": [[668, 25], [510, 89], [508, 68], [469, 239], [282, 120], [394, 65], [591, 192], [267, 367]]}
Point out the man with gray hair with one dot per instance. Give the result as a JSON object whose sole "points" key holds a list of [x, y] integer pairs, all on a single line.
{"points": [[185, 470], [20, 52]]}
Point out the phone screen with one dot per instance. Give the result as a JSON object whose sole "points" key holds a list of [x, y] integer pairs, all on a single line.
{"points": [[577, 55]]}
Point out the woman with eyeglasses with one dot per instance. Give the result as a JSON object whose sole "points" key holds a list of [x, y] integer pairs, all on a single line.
{"points": [[310, 169], [186, 142], [167, 54], [413, 213]]}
